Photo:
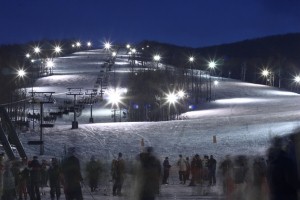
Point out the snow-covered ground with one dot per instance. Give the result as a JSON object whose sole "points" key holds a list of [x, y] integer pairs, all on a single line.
{"points": [[243, 118]]}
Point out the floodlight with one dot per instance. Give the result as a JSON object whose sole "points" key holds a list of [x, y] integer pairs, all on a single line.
{"points": [[172, 98], [21, 73]]}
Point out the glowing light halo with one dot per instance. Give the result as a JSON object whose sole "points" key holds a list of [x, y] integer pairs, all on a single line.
{"points": [[172, 98], [156, 57], [49, 63], [191, 59], [114, 97], [107, 45], [57, 49], [212, 64], [21, 72]]}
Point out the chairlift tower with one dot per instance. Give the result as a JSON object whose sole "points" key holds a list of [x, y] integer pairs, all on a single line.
{"points": [[74, 92], [92, 93], [41, 98]]}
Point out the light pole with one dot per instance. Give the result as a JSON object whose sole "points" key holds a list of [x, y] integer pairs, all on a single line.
{"points": [[297, 81], [191, 61], [211, 65], [114, 98], [171, 99], [269, 76], [216, 83], [156, 59]]}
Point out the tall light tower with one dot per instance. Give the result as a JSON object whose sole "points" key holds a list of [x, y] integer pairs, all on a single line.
{"points": [[211, 65], [156, 59], [191, 61]]}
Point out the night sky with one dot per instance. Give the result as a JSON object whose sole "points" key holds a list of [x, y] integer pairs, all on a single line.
{"points": [[193, 23]]}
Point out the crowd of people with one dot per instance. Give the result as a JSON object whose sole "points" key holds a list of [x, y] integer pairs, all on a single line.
{"points": [[273, 176]]}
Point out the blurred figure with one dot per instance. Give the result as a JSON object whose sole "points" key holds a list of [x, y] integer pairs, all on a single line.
{"points": [[212, 166], [166, 170], [118, 175], [205, 168], [93, 170], [199, 167], [188, 168], [282, 172], [148, 175], [240, 172], [72, 177], [54, 173], [35, 178], [23, 186], [226, 167], [193, 171], [44, 176], [259, 179], [181, 169], [9, 190]]}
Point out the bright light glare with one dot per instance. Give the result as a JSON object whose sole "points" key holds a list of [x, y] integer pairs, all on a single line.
{"points": [[265, 72], [133, 50], [216, 82], [89, 44], [191, 59], [21, 72], [114, 54], [172, 98], [50, 64], [181, 94], [57, 49], [297, 79], [78, 44], [27, 55], [36, 50], [128, 46], [107, 45], [212, 64], [156, 57], [114, 97]]}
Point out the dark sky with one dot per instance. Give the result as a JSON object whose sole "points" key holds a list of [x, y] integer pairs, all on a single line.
{"points": [[193, 23]]}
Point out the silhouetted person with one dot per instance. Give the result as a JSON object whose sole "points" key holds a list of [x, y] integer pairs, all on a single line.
{"points": [[226, 168], [93, 170], [166, 170], [9, 192], [282, 173], [118, 174], [35, 178], [54, 173], [72, 177], [212, 166], [259, 180], [181, 163], [148, 175], [188, 168]]}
